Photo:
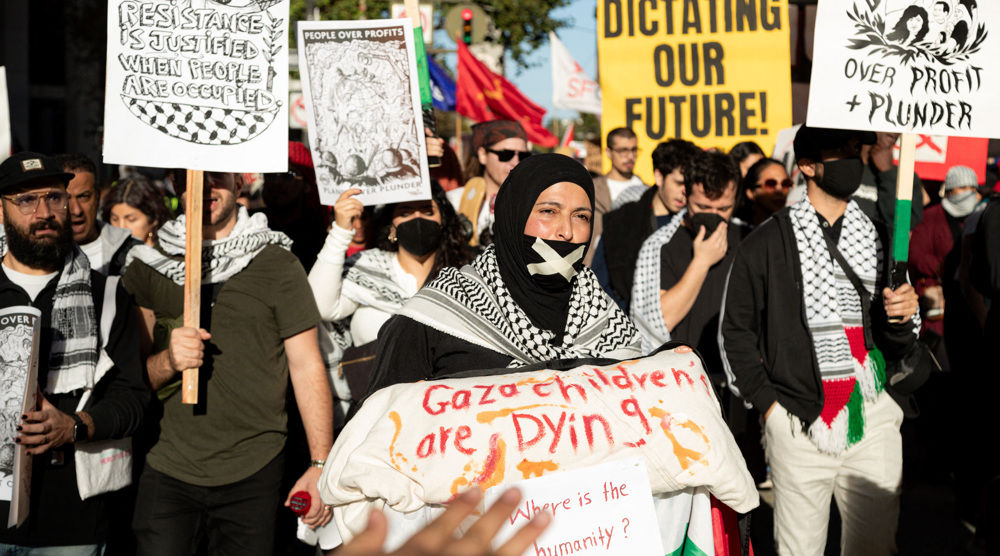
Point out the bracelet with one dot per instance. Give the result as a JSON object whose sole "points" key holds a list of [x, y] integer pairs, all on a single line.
{"points": [[318, 463]]}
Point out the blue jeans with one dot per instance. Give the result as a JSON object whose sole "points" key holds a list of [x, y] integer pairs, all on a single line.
{"points": [[77, 550]]}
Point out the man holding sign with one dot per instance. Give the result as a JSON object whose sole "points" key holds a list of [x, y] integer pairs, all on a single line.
{"points": [[221, 459], [822, 382]]}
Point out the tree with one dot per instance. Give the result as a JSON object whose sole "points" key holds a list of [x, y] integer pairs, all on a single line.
{"points": [[521, 26]]}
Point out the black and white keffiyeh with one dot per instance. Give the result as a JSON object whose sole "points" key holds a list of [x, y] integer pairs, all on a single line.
{"points": [[645, 308], [221, 258], [73, 354], [474, 304], [369, 281]]}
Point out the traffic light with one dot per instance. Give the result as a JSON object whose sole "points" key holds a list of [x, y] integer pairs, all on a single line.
{"points": [[467, 26]]}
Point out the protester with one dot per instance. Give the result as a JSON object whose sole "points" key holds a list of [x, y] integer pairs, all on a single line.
{"points": [[745, 154], [627, 227], [765, 185], [221, 460], [527, 299], [497, 147], [86, 323], [831, 426], [106, 246], [695, 262], [136, 205], [622, 149], [416, 239]]}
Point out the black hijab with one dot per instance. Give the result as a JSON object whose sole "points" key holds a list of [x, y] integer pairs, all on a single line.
{"points": [[547, 309]]}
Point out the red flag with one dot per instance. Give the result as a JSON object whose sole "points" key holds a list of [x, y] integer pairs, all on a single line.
{"points": [[485, 96], [568, 136]]}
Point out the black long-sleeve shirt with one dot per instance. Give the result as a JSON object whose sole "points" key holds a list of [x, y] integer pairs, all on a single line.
{"points": [[57, 515]]}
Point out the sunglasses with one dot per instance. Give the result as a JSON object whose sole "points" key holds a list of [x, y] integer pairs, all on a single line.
{"points": [[506, 155], [773, 184]]}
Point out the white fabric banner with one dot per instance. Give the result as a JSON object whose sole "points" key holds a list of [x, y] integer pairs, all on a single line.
{"points": [[908, 66], [572, 88], [201, 85]]}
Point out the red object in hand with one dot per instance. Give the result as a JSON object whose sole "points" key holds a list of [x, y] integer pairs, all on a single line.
{"points": [[300, 503]]}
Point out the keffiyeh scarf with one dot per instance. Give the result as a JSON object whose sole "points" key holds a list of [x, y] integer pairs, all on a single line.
{"points": [[369, 281], [73, 355], [221, 259], [851, 374], [473, 304], [645, 309]]}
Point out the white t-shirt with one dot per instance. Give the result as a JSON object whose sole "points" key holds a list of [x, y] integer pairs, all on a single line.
{"points": [[95, 253], [616, 186], [33, 284]]}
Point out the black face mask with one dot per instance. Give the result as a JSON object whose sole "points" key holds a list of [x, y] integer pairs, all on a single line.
{"points": [[841, 178], [709, 220], [419, 236], [552, 264]]}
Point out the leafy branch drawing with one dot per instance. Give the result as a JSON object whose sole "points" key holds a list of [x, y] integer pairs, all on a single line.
{"points": [[272, 46], [871, 34]]}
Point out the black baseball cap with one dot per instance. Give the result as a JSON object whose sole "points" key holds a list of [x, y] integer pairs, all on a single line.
{"points": [[26, 168], [809, 141]]}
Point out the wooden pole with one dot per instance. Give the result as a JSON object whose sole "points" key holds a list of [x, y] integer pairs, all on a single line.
{"points": [[192, 273], [904, 200], [458, 139]]}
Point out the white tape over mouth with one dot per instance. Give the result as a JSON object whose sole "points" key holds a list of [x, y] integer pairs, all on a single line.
{"points": [[554, 262]]}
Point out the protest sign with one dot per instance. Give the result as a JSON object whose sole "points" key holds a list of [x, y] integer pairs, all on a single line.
{"points": [[20, 329], [363, 106], [4, 116], [604, 509], [909, 66], [936, 154], [201, 85], [715, 73]]}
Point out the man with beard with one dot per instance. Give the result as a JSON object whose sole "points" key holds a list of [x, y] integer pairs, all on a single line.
{"points": [[90, 385], [106, 246], [696, 260], [216, 467], [806, 338]]}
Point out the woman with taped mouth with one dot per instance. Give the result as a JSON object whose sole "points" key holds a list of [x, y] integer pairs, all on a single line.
{"points": [[526, 299]]}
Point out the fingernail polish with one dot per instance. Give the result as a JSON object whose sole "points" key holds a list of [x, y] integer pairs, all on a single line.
{"points": [[17, 440], [18, 428]]}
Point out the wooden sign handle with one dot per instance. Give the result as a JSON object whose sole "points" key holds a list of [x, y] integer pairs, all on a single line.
{"points": [[192, 273], [901, 219]]}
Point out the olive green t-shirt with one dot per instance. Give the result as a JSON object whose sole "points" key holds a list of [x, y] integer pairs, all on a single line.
{"points": [[239, 424]]}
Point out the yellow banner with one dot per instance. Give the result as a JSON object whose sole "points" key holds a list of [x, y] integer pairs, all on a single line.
{"points": [[714, 72]]}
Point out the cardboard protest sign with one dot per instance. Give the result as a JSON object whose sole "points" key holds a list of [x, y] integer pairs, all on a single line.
{"points": [[598, 510], [715, 73], [936, 154], [197, 84], [363, 105], [909, 66], [4, 116], [20, 330]]}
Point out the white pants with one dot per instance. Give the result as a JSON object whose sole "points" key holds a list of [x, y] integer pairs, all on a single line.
{"points": [[864, 479]]}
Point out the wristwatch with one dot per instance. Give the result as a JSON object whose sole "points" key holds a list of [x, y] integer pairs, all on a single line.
{"points": [[80, 432]]}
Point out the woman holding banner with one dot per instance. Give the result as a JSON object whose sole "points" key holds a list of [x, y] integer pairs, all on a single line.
{"points": [[526, 299]]}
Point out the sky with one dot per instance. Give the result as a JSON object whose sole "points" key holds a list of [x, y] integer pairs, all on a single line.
{"points": [[580, 38]]}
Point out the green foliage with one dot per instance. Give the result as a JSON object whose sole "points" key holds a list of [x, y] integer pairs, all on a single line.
{"points": [[522, 26]]}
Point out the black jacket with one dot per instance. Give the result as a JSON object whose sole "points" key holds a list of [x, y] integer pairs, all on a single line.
{"points": [[57, 515], [767, 349], [624, 231]]}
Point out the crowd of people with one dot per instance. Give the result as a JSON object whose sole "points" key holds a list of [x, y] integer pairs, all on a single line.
{"points": [[785, 288]]}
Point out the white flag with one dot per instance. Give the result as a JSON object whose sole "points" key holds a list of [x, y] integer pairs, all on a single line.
{"points": [[572, 88]]}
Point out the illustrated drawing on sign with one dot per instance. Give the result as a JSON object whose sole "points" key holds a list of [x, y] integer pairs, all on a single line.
{"points": [[358, 83], [907, 66], [202, 71]]}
